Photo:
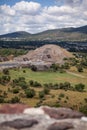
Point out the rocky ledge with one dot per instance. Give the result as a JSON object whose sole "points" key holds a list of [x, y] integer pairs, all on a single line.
{"points": [[22, 117]]}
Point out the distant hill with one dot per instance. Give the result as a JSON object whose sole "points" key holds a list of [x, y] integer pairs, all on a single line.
{"points": [[82, 29], [65, 34], [18, 34]]}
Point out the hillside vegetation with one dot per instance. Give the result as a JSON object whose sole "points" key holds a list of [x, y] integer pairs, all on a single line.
{"points": [[43, 88]]}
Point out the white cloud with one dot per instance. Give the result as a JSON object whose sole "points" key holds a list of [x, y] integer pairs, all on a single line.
{"points": [[71, 2], [7, 10], [30, 8], [32, 17]]}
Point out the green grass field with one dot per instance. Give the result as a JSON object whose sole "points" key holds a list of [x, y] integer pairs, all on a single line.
{"points": [[75, 98], [48, 77]]}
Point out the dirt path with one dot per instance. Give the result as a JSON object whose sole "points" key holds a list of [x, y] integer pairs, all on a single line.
{"points": [[78, 75]]}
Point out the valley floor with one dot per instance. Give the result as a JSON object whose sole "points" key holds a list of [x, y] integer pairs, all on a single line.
{"points": [[50, 77]]}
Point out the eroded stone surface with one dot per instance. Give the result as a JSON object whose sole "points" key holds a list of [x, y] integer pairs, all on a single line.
{"points": [[60, 126], [21, 117], [20, 123], [62, 113], [13, 108], [6, 128]]}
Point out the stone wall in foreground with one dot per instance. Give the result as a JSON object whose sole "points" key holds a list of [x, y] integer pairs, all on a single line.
{"points": [[22, 117]]}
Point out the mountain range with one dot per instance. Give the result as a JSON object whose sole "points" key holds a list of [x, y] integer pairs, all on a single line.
{"points": [[65, 34]]}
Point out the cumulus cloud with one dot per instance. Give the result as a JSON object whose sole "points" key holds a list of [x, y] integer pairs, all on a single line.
{"points": [[6, 10], [71, 2], [27, 7], [33, 18]]}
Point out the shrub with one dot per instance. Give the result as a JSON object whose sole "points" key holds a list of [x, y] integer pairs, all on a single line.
{"points": [[39, 103], [61, 86], [21, 95], [2, 100], [67, 97], [59, 98], [4, 79], [24, 71], [65, 58], [61, 95], [23, 85], [46, 90], [1, 91], [41, 94], [83, 109], [85, 100], [50, 85], [33, 68], [54, 67], [21, 79], [65, 66], [65, 86], [20, 82], [16, 90], [79, 68], [6, 71], [5, 94], [30, 93], [80, 87], [36, 84], [62, 71], [55, 86], [31, 82], [15, 100], [15, 82], [9, 90], [65, 101], [56, 105]]}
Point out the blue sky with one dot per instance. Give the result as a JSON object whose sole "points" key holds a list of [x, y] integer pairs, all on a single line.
{"points": [[43, 2], [35, 16]]}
